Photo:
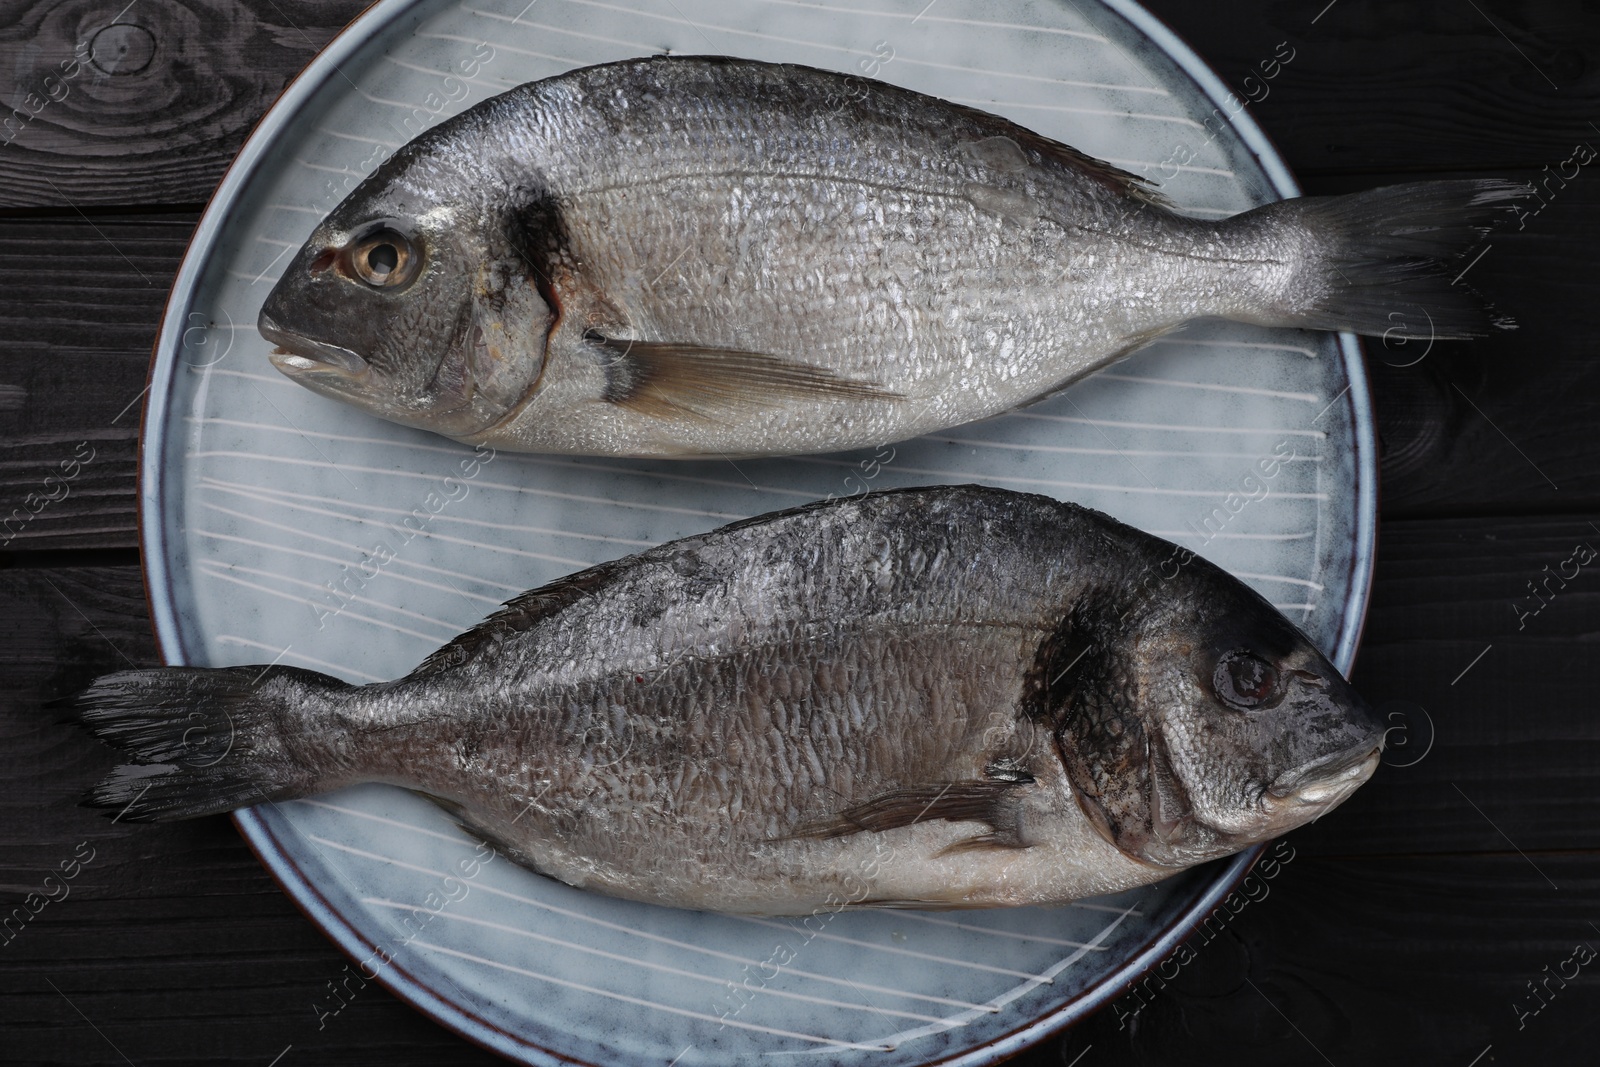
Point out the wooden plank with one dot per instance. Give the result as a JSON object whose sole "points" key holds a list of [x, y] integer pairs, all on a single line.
{"points": [[59, 628], [1474, 642], [1388, 961], [213, 967], [1375, 86], [172, 945], [171, 938], [159, 104], [145, 106], [80, 303], [1500, 423]]}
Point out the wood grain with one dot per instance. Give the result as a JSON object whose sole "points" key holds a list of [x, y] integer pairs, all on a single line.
{"points": [[147, 106], [1515, 749], [80, 302], [176, 948], [186, 906], [163, 104], [1378, 87], [1500, 423], [1351, 961]]}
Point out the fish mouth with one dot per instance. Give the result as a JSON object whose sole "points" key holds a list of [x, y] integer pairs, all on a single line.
{"points": [[298, 355], [1326, 782]]}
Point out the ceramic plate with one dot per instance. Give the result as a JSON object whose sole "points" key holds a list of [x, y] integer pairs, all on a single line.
{"points": [[281, 527]]}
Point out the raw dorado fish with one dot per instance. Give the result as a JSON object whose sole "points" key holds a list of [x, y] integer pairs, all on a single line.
{"points": [[701, 256], [947, 697]]}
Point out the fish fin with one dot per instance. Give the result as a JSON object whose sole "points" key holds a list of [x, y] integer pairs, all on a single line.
{"points": [[204, 740], [912, 904], [982, 800], [1135, 342], [1388, 263], [1114, 178], [463, 819], [518, 614], [993, 842], [670, 380], [1132, 343], [452, 808]]}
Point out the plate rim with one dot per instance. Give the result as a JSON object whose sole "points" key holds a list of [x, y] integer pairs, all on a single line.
{"points": [[292, 879]]}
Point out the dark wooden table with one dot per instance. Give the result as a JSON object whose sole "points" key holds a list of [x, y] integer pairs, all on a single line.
{"points": [[1443, 916]]}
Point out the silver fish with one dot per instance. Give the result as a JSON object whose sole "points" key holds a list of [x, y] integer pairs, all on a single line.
{"points": [[947, 697], [701, 256]]}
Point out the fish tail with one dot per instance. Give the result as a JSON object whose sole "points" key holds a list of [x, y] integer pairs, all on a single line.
{"points": [[1384, 263], [205, 740]]}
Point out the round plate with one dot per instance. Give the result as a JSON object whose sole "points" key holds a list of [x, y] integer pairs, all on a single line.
{"points": [[281, 527]]}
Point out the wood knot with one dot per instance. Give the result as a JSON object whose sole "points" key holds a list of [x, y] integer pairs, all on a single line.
{"points": [[122, 48]]}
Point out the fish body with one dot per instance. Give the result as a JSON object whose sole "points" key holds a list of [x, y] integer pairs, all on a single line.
{"points": [[950, 697], [687, 256]]}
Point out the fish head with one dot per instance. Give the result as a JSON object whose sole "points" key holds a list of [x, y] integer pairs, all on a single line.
{"points": [[1199, 721], [409, 301]]}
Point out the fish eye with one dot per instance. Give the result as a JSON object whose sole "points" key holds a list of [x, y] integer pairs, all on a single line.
{"points": [[1244, 680], [385, 259]]}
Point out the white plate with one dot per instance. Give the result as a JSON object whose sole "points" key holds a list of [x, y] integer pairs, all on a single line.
{"points": [[261, 500]]}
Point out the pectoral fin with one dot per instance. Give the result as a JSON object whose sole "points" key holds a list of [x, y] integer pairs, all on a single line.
{"points": [[988, 801], [669, 380], [919, 905]]}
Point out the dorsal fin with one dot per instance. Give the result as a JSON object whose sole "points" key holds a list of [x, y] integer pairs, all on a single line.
{"points": [[519, 614], [1113, 178], [1141, 189]]}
